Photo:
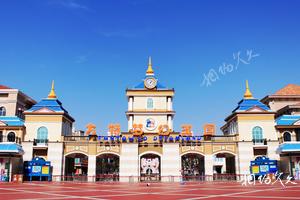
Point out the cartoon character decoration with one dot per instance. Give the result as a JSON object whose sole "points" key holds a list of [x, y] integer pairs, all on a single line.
{"points": [[137, 129], [164, 130], [209, 129], [114, 129], [149, 166], [186, 130], [150, 124], [91, 129]]}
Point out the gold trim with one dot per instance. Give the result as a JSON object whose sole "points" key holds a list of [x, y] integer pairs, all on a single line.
{"points": [[255, 117], [150, 92], [38, 118]]}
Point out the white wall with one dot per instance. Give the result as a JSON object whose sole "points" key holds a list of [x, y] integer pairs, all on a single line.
{"points": [[208, 166], [170, 162], [129, 162], [272, 149], [245, 153], [27, 147], [159, 120], [55, 155], [140, 103], [91, 168]]}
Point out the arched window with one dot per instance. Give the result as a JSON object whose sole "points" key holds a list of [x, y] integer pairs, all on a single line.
{"points": [[287, 137], [149, 103], [257, 134], [11, 137], [2, 111], [42, 135]]}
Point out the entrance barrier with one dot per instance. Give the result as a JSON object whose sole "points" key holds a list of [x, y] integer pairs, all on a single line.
{"points": [[134, 179], [107, 177]]}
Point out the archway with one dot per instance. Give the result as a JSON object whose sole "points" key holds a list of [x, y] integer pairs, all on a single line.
{"points": [[107, 167], [224, 166], [150, 167], [192, 166], [76, 167]]}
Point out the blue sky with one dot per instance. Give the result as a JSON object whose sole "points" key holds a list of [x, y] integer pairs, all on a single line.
{"points": [[94, 50]]}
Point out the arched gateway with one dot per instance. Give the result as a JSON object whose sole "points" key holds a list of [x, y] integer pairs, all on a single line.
{"points": [[192, 166], [107, 167], [76, 167], [224, 166], [150, 167]]}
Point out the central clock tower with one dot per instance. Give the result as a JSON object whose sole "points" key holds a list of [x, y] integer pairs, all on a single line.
{"points": [[150, 104]]}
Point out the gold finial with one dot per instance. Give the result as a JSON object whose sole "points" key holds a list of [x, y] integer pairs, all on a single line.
{"points": [[149, 70], [248, 94], [52, 94]]}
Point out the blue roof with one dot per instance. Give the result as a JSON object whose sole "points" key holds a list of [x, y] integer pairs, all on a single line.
{"points": [[11, 148], [289, 146], [52, 104], [247, 104], [141, 85], [12, 121], [287, 119]]}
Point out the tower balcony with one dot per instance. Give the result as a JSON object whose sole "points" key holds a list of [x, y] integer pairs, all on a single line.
{"points": [[260, 142], [40, 143], [148, 111]]}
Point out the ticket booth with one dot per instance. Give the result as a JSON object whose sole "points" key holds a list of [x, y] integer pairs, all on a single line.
{"points": [[37, 169], [262, 166]]}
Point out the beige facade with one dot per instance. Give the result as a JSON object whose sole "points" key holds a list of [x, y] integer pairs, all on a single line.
{"points": [[14, 101], [12, 130]]}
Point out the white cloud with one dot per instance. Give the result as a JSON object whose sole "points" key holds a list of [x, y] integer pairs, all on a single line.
{"points": [[70, 4], [81, 59]]}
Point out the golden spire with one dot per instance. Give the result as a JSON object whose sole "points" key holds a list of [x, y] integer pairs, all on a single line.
{"points": [[52, 94], [248, 94], [149, 70]]}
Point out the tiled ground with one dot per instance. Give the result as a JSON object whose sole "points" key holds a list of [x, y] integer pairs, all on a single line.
{"points": [[140, 191]]}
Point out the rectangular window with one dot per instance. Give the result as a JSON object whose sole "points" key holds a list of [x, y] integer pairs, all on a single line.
{"points": [[3, 95], [260, 152], [298, 134]]}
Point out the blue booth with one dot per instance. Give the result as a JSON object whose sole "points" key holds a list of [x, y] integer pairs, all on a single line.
{"points": [[263, 165], [39, 168]]}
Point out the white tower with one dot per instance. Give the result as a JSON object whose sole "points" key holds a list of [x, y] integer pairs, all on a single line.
{"points": [[150, 104]]}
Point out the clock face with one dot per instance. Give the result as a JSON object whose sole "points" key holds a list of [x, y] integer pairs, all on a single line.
{"points": [[150, 83]]}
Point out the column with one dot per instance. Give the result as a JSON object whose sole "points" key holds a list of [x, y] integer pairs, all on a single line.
{"points": [[237, 167], [28, 148], [91, 168], [55, 156], [130, 104], [245, 153], [208, 163], [130, 122], [10, 174], [169, 103], [170, 163], [129, 162], [170, 124]]}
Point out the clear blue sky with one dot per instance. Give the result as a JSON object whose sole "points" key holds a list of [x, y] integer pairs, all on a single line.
{"points": [[95, 49]]}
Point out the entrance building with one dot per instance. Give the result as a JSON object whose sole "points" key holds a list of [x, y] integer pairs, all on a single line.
{"points": [[150, 149]]}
